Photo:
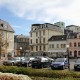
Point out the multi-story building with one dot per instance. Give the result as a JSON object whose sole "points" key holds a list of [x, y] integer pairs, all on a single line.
{"points": [[39, 35], [74, 28], [21, 45], [60, 24], [6, 40], [74, 44], [57, 46]]}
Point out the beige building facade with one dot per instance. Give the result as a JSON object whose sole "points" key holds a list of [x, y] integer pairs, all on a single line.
{"points": [[73, 28], [6, 40], [21, 45], [39, 35], [57, 46]]}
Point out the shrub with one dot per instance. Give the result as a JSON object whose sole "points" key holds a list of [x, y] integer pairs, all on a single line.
{"points": [[39, 72]]}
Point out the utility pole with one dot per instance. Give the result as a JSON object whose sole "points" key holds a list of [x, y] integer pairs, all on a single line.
{"points": [[68, 57]]}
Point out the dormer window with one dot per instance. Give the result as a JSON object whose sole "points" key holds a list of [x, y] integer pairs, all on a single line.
{"points": [[2, 25]]}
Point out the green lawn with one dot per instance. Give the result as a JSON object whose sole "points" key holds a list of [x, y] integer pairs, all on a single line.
{"points": [[45, 78]]}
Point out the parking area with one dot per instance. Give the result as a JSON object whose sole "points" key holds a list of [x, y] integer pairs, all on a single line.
{"points": [[72, 61]]}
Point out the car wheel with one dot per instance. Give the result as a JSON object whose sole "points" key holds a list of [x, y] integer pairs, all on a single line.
{"points": [[52, 68], [12, 64], [33, 66], [75, 69], [63, 67]]}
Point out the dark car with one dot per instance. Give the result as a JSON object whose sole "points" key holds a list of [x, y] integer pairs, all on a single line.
{"points": [[60, 63], [40, 62], [26, 62], [77, 65]]}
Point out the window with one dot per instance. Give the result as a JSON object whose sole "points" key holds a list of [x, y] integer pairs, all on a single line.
{"points": [[2, 25], [31, 41], [36, 48], [75, 44], [70, 44], [40, 40], [78, 44], [36, 40], [40, 48], [63, 45], [79, 53], [39, 33], [70, 53], [43, 32], [57, 45], [52, 45], [44, 47], [43, 40], [31, 48], [75, 36]]}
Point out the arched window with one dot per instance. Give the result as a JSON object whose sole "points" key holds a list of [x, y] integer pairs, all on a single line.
{"points": [[79, 53], [75, 53], [78, 44]]}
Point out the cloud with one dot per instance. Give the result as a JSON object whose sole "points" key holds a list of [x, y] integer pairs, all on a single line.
{"points": [[45, 10]]}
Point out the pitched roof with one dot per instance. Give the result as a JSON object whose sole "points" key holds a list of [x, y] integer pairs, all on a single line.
{"points": [[58, 38], [72, 35], [66, 31], [72, 25], [5, 26], [21, 36]]}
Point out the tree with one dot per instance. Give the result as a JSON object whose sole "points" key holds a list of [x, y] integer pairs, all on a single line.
{"points": [[3, 41]]}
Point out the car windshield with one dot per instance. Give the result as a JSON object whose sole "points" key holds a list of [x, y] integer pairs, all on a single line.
{"points": [[16, 58], [26, 59], [59, 60], [78, 61]]}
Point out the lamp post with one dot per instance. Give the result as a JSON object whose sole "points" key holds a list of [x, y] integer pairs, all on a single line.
{"points": [[67, 46], [20, 51]]}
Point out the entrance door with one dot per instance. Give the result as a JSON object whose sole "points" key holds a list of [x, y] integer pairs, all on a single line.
{"points": [[75, 53]]}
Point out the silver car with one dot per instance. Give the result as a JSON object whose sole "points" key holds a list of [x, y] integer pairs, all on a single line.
{"points": [[13, 61], [77, 65], [26, 62]]}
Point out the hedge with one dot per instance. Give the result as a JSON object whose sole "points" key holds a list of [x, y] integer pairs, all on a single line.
{"points": [[39, 72]]}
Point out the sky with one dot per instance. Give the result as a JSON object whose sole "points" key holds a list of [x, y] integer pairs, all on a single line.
{"points": [[21, 14]]}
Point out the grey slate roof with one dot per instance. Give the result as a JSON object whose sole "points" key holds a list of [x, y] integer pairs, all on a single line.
{"points": [[58, 38], [72, 25], [5, 26]]}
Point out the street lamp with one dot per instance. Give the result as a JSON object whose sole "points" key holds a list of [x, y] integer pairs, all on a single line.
{"points": [[67, 46], [20, 51]]}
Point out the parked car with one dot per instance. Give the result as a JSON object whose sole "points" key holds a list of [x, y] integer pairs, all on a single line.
{"points": [[13, 61], [60, 63], [77, 65], [26, 62], [40, 62]]}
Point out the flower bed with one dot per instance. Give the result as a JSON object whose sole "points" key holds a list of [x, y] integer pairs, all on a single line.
{"points": [[10, 76]]}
